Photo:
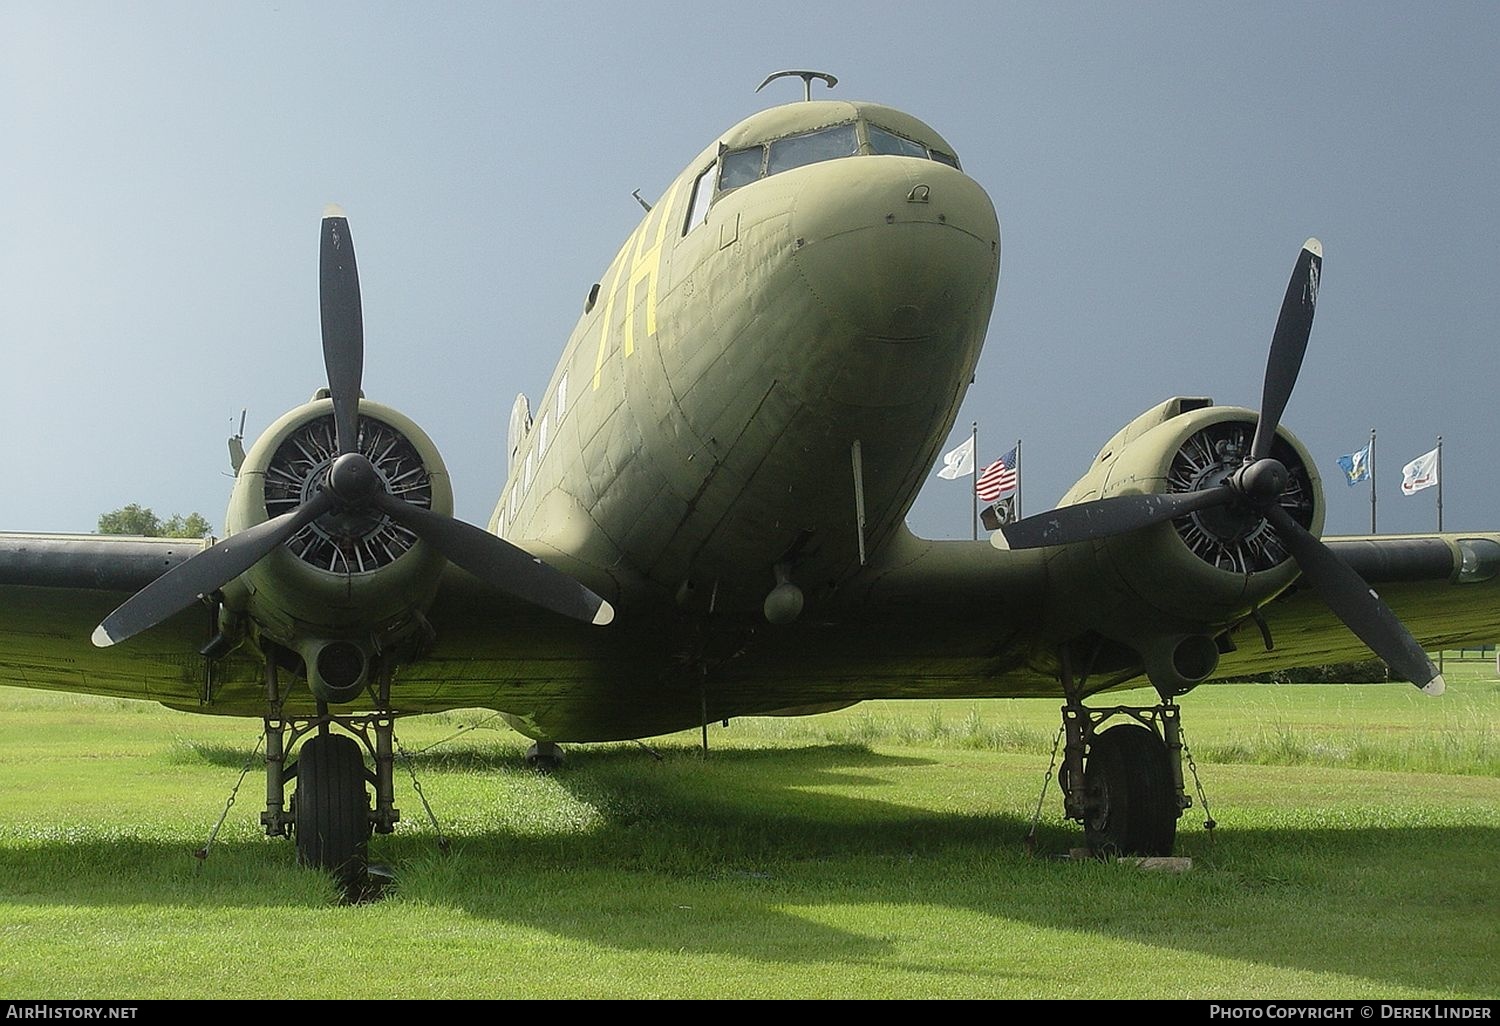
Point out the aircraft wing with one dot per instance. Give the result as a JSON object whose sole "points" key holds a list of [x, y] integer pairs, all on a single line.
{"points": [[1445, 588], [54, 590], [936, 619], [489, 648]]}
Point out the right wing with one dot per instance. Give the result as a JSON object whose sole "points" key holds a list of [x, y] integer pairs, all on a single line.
{"points": [[54, 590], [1444, 587]]}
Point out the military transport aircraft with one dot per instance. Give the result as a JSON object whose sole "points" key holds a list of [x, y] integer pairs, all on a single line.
{"points": [[704, 518]]}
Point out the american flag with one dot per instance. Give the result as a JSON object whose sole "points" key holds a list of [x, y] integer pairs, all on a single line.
{"points": [[998, 478]]}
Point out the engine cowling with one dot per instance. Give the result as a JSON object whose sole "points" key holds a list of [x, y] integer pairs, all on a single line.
{"points": [[1167, 593], [349, 583]]}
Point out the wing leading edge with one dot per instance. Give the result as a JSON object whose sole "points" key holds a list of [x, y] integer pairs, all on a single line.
{"points": [[1445, 588]]}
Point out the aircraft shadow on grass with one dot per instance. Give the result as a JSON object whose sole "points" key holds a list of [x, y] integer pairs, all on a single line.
{"points": [[761, 835]]}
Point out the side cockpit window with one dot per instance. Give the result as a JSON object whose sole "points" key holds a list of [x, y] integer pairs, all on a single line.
{"points": [[703, 190], [883, 141]]}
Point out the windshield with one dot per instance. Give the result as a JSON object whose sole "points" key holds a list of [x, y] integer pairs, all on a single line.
{"points": [[824, 144], [884, 141], [752, 163]]}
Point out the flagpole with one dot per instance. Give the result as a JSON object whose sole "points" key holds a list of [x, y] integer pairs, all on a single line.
{"points": [[1372, 480], [974, 478], [1440, 483], [1019, 514], [1440, 518]]}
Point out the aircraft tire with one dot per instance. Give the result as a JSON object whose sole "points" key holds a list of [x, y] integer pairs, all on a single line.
{"points": [[1128, 777], [545, 756], [331, 809]]}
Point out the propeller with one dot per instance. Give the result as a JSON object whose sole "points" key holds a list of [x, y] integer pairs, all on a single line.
{"points": [[343, 325], [1256, 485], [351, 484]]}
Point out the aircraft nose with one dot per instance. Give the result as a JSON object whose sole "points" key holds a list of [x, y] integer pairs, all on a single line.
{"points": [[902, 247]]}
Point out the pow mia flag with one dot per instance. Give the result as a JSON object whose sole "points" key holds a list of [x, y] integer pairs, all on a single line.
{"points": [[999, 513]]}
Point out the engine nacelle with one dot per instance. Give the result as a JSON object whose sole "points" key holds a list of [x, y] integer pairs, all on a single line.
{"points": [[349, 584], [1168, 592]]}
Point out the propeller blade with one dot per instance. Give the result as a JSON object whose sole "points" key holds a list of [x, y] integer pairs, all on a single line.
{"points": [[498, 562], [1355, 602], [1288, 344], [206, 572], [343, 324], [1104, 517]]}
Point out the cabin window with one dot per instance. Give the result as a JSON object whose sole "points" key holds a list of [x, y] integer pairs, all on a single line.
{"points": [[541, 436], [529, 467], [562, 398], [741, 168], [703, 191], [824, 144]]}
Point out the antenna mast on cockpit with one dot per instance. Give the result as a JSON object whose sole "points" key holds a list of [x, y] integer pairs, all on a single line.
{"points": [[806, 77]]}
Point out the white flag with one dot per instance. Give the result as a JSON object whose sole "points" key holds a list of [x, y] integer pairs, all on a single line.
{"points": [[1420, 473], [959, 462]]}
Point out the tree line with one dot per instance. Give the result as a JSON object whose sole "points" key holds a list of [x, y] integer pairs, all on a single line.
{"points": [[138, 519]]}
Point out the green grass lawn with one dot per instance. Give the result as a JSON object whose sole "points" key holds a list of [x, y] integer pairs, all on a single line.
{"points": [[870, 853]]}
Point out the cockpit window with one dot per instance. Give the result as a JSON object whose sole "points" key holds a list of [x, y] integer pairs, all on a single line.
{"points": [[698, 210], [824, 144], [884, 141], [741, 167]]}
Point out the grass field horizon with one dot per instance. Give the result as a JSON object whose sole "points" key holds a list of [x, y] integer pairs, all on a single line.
{"points": [[875, 852]]}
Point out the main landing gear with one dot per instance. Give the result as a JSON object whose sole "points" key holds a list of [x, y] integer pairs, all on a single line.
{"points": [[329, 814], [1124, 783], [545, 756]]}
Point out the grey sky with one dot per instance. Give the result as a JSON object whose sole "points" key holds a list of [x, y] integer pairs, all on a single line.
{"points": [[1155, 168]]}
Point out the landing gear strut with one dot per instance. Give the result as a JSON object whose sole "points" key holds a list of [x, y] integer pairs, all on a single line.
{"points": [[1124, 784], [329, 814]]}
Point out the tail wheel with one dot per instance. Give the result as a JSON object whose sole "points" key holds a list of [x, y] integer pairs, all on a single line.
{"points": [[331, 808], [1132, 799]]}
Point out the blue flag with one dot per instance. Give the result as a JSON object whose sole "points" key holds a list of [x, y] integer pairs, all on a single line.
{"points": [[1356, 466]]}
